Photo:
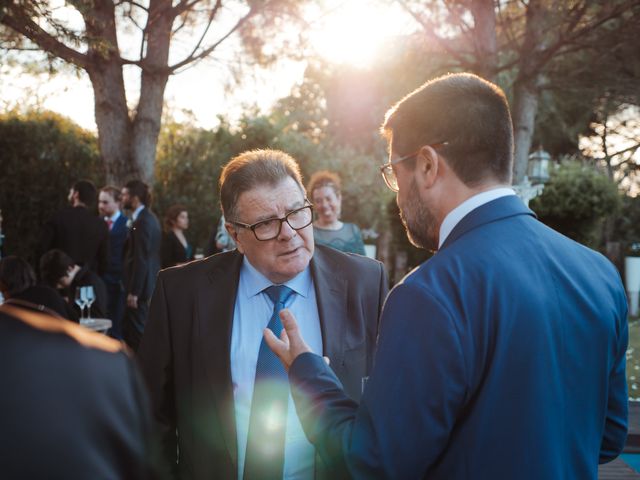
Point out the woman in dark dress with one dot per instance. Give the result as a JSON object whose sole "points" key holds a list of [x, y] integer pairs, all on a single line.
{"points": [[175, 247]]}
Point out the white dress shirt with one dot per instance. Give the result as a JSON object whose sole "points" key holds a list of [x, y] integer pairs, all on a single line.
{"points": [[466, 207], [113, 217], [252, 312]]}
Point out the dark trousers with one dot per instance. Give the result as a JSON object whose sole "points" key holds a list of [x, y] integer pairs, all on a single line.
{"points": [[115, 308], [133, 324]]}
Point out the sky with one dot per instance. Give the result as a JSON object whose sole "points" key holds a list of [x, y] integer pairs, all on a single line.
{"points": [[341, 31]]}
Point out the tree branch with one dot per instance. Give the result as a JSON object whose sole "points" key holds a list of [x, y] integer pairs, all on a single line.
{"points": [[16, 19], [192, 57]]}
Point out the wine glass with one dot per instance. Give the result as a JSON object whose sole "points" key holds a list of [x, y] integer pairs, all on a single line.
{"points": [[81, 301], [90, 297]]}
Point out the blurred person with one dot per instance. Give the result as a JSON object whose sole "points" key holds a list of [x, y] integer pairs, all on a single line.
{"points": [[73, 404], [175, 247], [202, 352], [109, 206], [58, 270], [77, 231], [141, 261], [18, 287], [325, 193], [500, 357]]}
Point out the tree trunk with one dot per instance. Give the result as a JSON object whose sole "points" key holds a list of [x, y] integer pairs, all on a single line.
{"points": [[526, 89], [112, 114], [525, 108], [148, 117], [484, 37]]}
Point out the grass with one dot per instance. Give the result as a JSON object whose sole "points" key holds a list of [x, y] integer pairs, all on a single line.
{"points": [[633, 360]]}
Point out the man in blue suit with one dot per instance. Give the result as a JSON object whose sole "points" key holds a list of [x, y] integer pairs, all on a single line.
{"points": [[109, 207], [501, 357]]}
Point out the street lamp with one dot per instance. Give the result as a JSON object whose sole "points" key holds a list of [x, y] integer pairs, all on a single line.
{"points": [[538, 166]]}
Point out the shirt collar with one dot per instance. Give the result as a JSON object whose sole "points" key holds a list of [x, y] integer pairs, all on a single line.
{"points": [[136, 212], [113, 217], [255, 282], [466, 207]]}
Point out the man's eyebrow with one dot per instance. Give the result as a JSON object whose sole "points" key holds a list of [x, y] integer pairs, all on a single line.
{"points": [[291, 208]]}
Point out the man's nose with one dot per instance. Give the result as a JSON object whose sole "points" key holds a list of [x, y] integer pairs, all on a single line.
{"points": [[286, 232]]}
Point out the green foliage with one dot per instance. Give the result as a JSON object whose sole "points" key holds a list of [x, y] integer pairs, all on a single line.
{"points": [[577, 201], [41, 156], [190, 161]]}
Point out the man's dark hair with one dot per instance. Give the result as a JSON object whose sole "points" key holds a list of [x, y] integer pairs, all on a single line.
{"points": [[469, 113], [54, 265], [87, 192], [16, 275], [253, 168], [137, 188], [115, 192]]}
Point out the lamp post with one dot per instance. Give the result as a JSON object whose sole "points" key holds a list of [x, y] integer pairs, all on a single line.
{"points": [[537, 176]]}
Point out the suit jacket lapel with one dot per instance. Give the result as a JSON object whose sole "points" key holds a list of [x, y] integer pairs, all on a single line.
{"points": [[215, 300], [331, 296]]}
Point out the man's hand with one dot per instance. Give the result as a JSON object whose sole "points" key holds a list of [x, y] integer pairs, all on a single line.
{"points": [[132, 301], [291, 344]]}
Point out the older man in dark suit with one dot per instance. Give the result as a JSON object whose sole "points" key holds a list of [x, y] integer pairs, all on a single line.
{"points": [[73, 404], [216, 395], [142, 260], [77, 231]]}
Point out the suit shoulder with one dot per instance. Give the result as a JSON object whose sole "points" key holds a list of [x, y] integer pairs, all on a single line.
{"points": [[194, 269], [51, 326], [348, 260]]}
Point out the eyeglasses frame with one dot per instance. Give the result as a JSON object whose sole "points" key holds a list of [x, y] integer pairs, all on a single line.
{"points": [[253, 226], [390, 163]]}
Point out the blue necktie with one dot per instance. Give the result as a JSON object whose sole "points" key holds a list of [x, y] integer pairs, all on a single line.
{"points": [[268, 421]]}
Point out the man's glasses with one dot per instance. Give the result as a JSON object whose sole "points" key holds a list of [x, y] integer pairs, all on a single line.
{"points": [[389, 175], [270, 229]]}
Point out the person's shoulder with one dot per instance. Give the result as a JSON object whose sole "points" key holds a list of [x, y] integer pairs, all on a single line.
{"points": [[344, 259], [66, 335], [210, 266]]}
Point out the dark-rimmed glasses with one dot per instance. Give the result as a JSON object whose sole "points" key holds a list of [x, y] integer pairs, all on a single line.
{"points": [[389, 175], [269, 229]]}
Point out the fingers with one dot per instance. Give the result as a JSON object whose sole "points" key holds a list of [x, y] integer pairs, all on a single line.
{"points": [[277, 346], [290, 327]]}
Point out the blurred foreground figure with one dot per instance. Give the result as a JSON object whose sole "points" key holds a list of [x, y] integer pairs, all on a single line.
{"points": [[501, 357], [73, 404]]}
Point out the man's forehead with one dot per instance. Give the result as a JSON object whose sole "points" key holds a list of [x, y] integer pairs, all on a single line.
{"points": [[268, 201]]}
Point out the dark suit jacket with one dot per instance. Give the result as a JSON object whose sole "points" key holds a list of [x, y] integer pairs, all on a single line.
{"points": [[185, 350], [142, 255], [173, 252], [501, 357], [72, 406], [117, 238], [80, 234]]}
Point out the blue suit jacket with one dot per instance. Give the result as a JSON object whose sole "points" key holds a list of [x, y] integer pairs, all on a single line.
{"points": [[117, 238], [501, 357]]}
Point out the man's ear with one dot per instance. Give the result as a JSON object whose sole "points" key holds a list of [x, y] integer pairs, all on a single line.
{"points": [[428, 165], [231, 230]]}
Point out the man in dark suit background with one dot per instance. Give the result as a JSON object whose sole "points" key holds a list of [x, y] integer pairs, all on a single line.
{"points": [[77, 231], [73, 404], [202, 352], [109, 208], [141, 261], [502, 356]]}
